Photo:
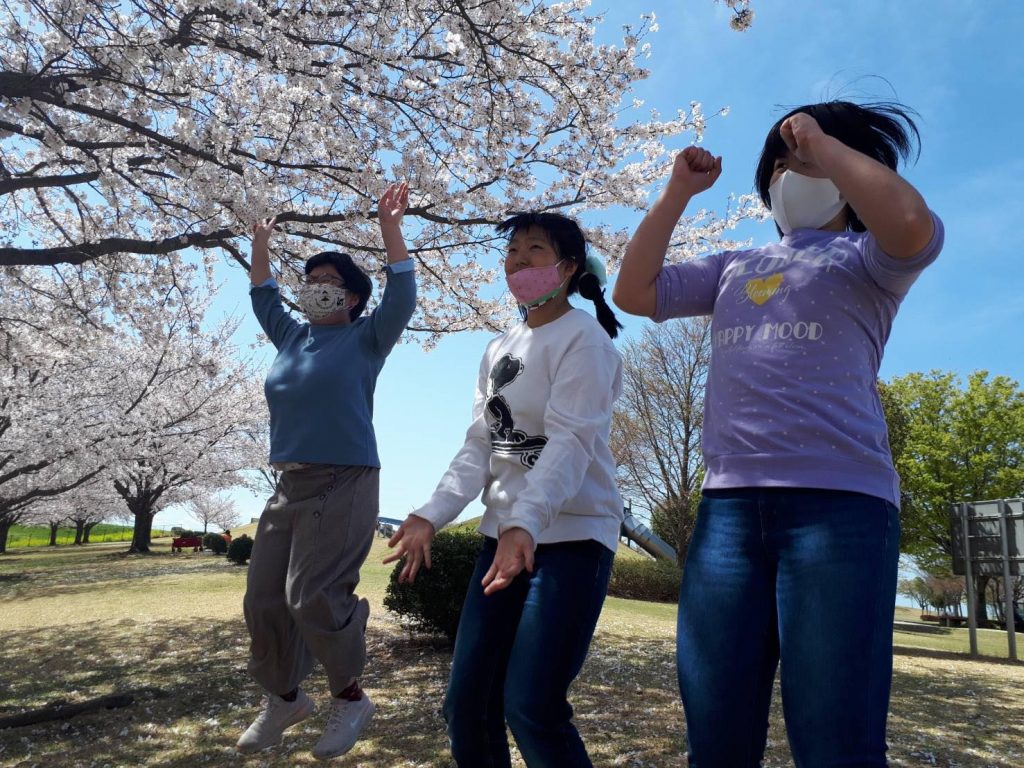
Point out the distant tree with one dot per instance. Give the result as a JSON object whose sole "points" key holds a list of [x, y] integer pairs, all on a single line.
{"points": [[952, 442], [656, 425]]}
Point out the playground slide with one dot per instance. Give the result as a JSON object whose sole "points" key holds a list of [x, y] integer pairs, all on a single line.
{"points": [[646, 539]]}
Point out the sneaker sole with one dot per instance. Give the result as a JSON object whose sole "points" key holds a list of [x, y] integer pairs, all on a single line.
{"points": [[339, 752], [298, 717]]}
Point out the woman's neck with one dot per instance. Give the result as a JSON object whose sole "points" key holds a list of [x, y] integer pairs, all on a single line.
{"points": [[339, 318], [549, 311]]}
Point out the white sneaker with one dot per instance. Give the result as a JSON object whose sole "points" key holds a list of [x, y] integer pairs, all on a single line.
{"points": [[268, 727], [346, 722]]}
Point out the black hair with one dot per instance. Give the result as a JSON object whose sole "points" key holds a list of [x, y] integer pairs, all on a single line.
{"points": [[354, 278], [569, 242], [881, 130]]}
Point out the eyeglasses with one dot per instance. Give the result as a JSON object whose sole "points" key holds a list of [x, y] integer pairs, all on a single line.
{"points": [[322, 280]]}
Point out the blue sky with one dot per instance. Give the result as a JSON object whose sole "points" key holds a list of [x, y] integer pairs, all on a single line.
{"points": [[959, 64]]}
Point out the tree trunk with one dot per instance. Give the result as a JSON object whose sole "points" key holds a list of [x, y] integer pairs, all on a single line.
{"points": [[53, 534], [86, 530], [5, 528], [143, 531], [980, 604], [79, 532], [998, 603]]}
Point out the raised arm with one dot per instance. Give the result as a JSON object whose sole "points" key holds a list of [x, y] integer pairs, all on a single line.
{"points": [[265, 297], [891, 209], [259, 272], [399, 299], [390, 210], [694, 171]]}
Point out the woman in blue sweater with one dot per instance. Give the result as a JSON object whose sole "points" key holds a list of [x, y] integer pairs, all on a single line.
{"points": [[316, 530]]}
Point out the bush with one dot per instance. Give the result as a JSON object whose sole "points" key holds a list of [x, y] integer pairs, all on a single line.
{"points": [[433, 603], [215, 543], [646, 579], [240, 550]]}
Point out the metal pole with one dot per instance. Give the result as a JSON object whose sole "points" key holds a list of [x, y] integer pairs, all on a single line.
{"points": [[972, 620], [1004, 535]]}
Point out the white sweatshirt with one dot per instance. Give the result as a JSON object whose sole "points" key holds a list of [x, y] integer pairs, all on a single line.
{"points": [[538, 444]]}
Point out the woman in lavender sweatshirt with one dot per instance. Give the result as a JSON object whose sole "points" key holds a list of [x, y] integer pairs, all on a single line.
{"points": [[794, 555]]}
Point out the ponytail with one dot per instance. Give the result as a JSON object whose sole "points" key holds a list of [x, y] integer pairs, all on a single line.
{"points": [[590, 288]]}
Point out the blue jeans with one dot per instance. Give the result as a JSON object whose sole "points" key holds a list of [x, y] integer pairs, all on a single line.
{"points": [[516, 653], [804, 576]]}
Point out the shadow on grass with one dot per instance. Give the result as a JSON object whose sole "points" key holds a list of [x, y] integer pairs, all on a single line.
{"points": [[960, 712], [923, 629], [210, 699], [40, 577], [627, 707], [925, 653]]}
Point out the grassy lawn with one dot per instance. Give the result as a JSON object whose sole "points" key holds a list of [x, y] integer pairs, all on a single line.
{"points": [[80, 623], [912, 633]]}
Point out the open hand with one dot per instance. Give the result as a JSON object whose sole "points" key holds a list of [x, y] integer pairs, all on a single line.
{"points": [[515, 552], [263, 229], [413, 539], [393, 203]]}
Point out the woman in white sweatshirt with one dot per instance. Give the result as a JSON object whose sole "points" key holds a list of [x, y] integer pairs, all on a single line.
{"points": [[538, 450]]}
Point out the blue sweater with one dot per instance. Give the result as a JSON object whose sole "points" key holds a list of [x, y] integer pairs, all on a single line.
{"points": [[320, 386]]}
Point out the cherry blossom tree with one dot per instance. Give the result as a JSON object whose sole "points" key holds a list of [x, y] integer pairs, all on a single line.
{"points": [[214, 509], [133, 134], [192, 403], [81, 508], [54, 424], [141, 392], [742, 16], [52, 514], [90, 504], [262, 480]]}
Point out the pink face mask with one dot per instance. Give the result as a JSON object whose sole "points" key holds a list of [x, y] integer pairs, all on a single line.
{"points": [[536, 285]]}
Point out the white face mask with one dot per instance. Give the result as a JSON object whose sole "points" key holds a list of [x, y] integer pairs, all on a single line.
{"points": [[321, 300], [800, 201]]}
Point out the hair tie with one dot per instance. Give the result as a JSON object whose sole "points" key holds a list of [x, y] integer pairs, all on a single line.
{"points": [[595, 266]]}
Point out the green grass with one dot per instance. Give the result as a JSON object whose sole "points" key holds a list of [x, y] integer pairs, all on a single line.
{"points": [[86, 621], [39, 535], [911, 633], [991, 642]]}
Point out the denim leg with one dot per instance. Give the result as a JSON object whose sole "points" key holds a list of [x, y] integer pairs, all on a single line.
{"points": [[474, 703], [838, 560], [727, 636], [566, 592]]}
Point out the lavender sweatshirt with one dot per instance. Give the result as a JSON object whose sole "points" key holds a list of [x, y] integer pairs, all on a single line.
{"points": [[798, 331]]}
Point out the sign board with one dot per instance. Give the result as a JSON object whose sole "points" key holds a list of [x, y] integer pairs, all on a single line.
{"points": [[984, 526], [988, 539]]}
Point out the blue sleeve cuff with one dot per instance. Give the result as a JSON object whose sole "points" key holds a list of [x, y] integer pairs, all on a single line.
{"points": [[268, 283], [405, 265]]}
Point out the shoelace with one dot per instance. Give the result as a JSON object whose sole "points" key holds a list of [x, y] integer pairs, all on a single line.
{"points": [[337, 717], [273, 702]]}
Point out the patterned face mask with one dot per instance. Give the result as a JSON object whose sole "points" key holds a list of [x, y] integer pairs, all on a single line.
{"points": [[536, 285], [320, 300]]}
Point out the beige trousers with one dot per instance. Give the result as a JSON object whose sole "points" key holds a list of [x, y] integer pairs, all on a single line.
{"points": [[300, 601]]}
